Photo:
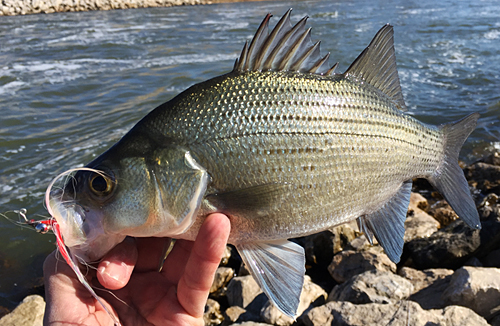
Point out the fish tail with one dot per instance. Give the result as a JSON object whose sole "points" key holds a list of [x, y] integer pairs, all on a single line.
{"points": [[449, 178]]}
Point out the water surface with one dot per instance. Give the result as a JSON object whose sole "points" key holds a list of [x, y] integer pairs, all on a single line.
{"points": [[71, 84]]}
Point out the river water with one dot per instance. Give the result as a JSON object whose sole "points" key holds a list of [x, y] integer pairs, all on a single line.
{"points": [[71, 84]]}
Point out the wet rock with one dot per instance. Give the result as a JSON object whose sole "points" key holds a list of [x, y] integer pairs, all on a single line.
{"points": [[212, 315], [29, 312], [477, 288], [403, 313], [428, 285], [222, 277], [312, 295], [447, 248], [348, 263], [373, 286]]}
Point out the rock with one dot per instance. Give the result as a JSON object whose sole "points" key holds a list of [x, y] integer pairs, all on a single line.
{"points": [[237, 314], [428, 285], [29, 312], [348, 263], [447, 248], [492, 259], [404, 313], [373, 286], [484, 176], [244, 292], [419, 224], [312, 295], [443, 213], [321, 247], [489, 209], [461, 316], [222, 277], [212, 315], [417, 201], [477, 288], [251, 323]]}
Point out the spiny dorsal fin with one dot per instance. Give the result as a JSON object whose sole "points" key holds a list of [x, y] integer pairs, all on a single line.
{"points": [[285, 48], [376, 65]]}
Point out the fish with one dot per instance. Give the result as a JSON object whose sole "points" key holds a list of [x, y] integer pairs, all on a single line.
{"points": [[285, 146]]}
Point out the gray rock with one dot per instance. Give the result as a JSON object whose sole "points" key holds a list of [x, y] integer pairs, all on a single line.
{"points": [[242, 290], [449, 248], [29, 312], [348, 263], [321, 247], [405, 313], [237, 314], [419, 224], [428, 285], [477, 288], [373, 286], [312, 295], [418, 202]]}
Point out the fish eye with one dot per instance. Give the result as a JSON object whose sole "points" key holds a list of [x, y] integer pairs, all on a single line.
{"points": [[101, 185]]}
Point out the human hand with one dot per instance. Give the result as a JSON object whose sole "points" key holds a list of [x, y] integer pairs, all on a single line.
{"points": [[174, 296]]}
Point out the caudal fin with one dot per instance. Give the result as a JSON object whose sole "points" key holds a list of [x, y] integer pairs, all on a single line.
{"points": [[449, 178]]}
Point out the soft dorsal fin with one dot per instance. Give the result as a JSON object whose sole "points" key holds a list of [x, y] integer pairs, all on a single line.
{"points": [[285, 48], [376, 65]]}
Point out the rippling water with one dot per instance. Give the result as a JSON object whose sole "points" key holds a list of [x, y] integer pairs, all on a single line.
{"points": [[72, 84]]}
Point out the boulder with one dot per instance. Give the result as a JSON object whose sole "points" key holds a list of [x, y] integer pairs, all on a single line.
{"points": [[428, 285], [443, 213], [321, 247], [419, 224], [237, 314], [312, 295], [348, 263], [449, 248], [244, 292], [405, 313], [29, 312], [373, 286], [477, 288]]}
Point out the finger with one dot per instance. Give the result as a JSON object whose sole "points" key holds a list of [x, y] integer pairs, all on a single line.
{"points": [[115, 268], [151, 252], [208, 249], [175, 263], [66, 299]]}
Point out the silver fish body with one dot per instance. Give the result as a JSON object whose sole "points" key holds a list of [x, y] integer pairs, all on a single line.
{"points": [[282, 145]]}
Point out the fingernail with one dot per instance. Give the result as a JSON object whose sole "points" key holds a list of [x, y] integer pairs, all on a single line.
{"points": [[117, 272]]}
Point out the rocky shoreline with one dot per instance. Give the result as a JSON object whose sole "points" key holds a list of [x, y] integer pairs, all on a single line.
{"points": [[449, 274], [26, 7]]}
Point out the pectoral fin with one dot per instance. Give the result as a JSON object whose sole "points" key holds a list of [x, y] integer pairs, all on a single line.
{"points": [[279, 268], [388, 223]]}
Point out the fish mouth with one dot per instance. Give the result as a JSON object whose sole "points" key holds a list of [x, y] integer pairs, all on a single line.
{"points": [[81, 228]]}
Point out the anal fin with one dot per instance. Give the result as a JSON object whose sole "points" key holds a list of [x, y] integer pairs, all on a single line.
{"points": [[279, 268], [388, 223]]}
